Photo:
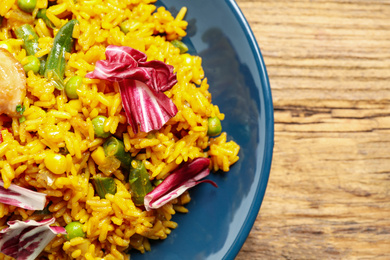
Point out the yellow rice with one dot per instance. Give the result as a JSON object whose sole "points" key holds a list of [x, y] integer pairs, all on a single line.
{"points": [[112, 225]]}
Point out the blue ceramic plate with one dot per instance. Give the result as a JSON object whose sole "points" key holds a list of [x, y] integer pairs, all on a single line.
{"points": [[220, 219]]}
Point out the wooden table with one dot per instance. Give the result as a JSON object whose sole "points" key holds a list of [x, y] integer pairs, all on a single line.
{"points": [[328, 195]]}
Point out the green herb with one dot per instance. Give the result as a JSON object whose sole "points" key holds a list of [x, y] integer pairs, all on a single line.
{"points": [[20, 109], [22, 119]]}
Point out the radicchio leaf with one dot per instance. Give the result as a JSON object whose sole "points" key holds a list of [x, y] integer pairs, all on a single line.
{"points": [[21, 197], [141, 84], [25, 240], [186, 176]]}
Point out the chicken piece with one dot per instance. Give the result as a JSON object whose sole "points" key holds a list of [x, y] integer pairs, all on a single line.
{"points": [[12, 83]]}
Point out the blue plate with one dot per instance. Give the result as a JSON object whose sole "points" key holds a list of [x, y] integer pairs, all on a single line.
{"points": [[220, 219]]}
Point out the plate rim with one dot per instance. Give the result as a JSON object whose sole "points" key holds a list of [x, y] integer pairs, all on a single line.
{"points": [[269, 135]]}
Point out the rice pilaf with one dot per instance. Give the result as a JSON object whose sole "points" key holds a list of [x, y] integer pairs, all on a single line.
{"points": [[55, 124]]}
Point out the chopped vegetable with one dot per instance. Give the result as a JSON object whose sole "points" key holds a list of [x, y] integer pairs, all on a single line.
{"points": [[140, 184], [186, 176], [56, 163], [141, 84], [42, 15], [33, 64], [12, 83], [21, 197], [72, 85], [125, 26], [55, 65], [179, 44], [20, 109], [25, 240], [30, 43], [74, 229], [104, 185], [98, 126], [214, 126], [115, 147], [27, 5]]}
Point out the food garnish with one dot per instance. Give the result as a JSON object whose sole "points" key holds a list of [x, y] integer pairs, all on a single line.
{"points": [[141, 84], [25, 240], [186, 176], [21, 197]]}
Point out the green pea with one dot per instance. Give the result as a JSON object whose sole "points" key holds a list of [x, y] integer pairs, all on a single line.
{"points": [[27, 5], [74, 229], [214, 126], [98, 126], [33, 64], [125, 26], [72, 85]]}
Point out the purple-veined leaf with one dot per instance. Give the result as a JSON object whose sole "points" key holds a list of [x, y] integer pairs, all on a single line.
{"points": [[141, 83], [186, 176], [25, 240], [144, 104], [21, 197]]}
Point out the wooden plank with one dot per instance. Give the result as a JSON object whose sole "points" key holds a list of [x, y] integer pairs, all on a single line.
{"points": [[329, 191]]}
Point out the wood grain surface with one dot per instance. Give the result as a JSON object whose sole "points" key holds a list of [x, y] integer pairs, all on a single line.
{"points": [[328, 195]]}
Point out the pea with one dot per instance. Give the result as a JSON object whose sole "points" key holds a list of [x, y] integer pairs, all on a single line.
{"points": [[27, 5], [56, 163], [214, 126], [72, 85], [125, 26], [98, 126], [33, 64], [74, 229]]}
